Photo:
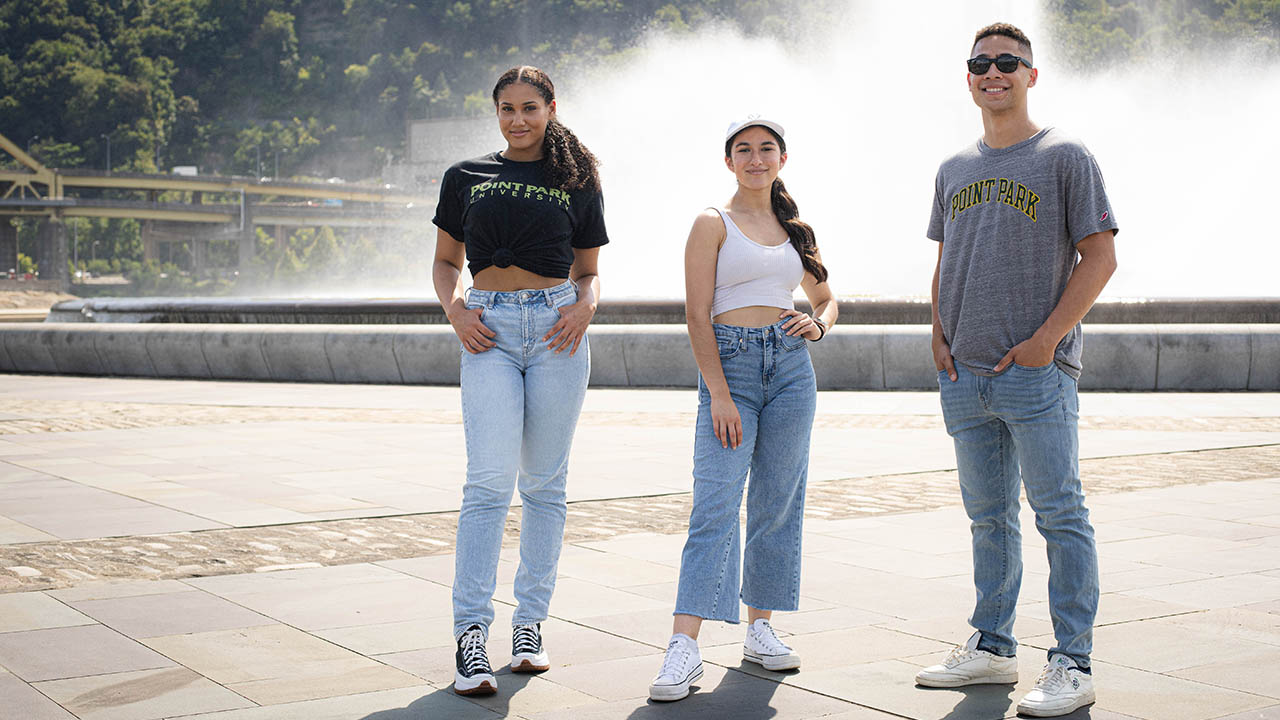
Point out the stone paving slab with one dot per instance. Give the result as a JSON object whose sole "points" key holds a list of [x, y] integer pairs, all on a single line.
{"points": [[24, 701], [1153, 659], [157, 467], [35, 611], [411, 703], [57, 653], [53, 564], [145, 693], [350, 618], [169, 614], [222, 393], [278, 664]]}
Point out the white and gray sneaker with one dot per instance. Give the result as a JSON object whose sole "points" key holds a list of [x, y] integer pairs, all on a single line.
{"points": [[473, 676], [527, 653], [680, 668], [1061, 688], [763, 647], [967, 665]]}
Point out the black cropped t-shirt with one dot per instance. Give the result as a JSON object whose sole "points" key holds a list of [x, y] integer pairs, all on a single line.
{"points": [[506, 215]]}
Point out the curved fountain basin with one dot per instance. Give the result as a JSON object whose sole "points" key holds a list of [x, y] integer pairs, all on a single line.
{"points": [[420, 311], [853, 357]]}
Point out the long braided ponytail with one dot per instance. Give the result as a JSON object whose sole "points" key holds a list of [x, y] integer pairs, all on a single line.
{"points": [[569, 164], [800, 232]]}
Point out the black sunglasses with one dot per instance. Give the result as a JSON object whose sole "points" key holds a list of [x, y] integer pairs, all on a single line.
{"points": [[1006, 63]]}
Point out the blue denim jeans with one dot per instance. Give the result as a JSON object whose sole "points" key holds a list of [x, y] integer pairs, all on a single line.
{"points": [[772, 384], [1016, 429], [520, 405]]}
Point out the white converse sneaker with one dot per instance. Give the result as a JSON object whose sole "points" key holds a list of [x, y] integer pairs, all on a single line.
{"points": [[1061, 688], [680, 668], [967, 665], [527, 653], [763, 647]]}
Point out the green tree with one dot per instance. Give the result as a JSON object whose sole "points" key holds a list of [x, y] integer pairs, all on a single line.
{"points": [[1093, 34], [329, 85]]}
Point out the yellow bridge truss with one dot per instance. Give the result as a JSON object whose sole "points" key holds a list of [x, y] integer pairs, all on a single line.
{"points": [[41, 191]]}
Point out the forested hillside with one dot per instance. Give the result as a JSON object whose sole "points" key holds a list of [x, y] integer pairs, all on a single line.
{"points": [[231, 84], [314, 88], [228, 84], [1097, 33]]}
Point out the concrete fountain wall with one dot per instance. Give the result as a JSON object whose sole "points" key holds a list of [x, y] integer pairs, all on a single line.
{"points": [[882, 344], [853, 357]]}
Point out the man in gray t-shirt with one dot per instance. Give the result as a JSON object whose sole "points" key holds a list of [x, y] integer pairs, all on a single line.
{"points": [[1009, 220], [1011, 213]]}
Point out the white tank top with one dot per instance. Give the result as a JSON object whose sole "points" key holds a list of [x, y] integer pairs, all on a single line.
{"points": [[748, 273]]}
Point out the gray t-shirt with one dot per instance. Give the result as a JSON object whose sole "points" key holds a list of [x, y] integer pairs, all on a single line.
{"points": [[1009, 220]]}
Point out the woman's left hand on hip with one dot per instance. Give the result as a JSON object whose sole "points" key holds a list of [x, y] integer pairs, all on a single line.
{"points": [[800, 324]]}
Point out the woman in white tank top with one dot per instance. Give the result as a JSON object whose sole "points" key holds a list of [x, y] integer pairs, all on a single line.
{"points": [[756, 400]]}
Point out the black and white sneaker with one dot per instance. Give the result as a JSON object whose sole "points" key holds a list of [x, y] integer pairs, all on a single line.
{"points": [[527, 654], [473, 675]]}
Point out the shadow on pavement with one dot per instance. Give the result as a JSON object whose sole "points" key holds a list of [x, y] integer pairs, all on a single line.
{"points": [[739, 696], [978, 701], [990, 701], [445, 703]]}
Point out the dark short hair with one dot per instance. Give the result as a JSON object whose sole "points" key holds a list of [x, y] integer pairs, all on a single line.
{"points": [[1007, 30]]}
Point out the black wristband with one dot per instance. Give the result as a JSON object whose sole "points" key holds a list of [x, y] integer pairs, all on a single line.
{"points": [[822, 328]]}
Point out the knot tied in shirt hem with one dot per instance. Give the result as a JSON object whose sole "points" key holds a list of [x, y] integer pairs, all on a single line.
{"points": [[503, 257]]}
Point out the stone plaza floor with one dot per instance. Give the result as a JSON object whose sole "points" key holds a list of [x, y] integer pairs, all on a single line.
{"points": [[247, 551]]}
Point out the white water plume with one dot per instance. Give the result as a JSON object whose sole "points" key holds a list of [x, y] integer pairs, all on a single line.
{"points": [[872, 106]]}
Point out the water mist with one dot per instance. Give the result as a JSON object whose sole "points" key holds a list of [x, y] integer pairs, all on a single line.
{"points": [[871, 107]]}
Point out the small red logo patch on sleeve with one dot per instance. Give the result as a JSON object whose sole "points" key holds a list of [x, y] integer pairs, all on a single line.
{"points": [[1104, 215]]}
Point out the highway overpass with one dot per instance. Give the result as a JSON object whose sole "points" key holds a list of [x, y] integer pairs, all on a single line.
{"points": [[206, 208]]}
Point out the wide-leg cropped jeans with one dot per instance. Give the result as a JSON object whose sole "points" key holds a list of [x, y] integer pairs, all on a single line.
{"points": [[772, 384], [520, 405]]}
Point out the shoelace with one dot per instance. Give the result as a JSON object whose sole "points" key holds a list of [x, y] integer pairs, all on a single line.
{"points": [[958, 654], [525, 639], [673, 665], [1053, 677], [769, 638], [474, 657]]}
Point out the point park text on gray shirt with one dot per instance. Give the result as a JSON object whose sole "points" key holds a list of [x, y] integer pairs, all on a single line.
{"points": [[1009, 220]]}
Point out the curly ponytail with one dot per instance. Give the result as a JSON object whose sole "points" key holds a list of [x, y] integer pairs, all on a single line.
{"points": [[569, 164], [800, 232]]}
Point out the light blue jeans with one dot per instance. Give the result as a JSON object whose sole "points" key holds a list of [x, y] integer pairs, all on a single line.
{"points": [[520, 405], [772, 384], [1016, 429]]}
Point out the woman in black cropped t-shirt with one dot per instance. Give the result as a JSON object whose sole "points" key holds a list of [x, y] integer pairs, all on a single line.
{"points": [[529, 222]]}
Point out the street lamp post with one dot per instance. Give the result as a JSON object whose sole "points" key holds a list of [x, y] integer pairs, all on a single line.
{"points": [[107, 137], [257, 155]]}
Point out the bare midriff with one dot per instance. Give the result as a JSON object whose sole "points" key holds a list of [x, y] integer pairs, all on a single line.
{"points": [[750, 316], [512, 278]]}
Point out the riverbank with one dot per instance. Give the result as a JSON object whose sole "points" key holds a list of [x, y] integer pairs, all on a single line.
{"points": [[29, 305]]}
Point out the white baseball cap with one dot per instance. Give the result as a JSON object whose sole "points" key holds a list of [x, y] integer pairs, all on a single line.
{"points": [[738, 126]]}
